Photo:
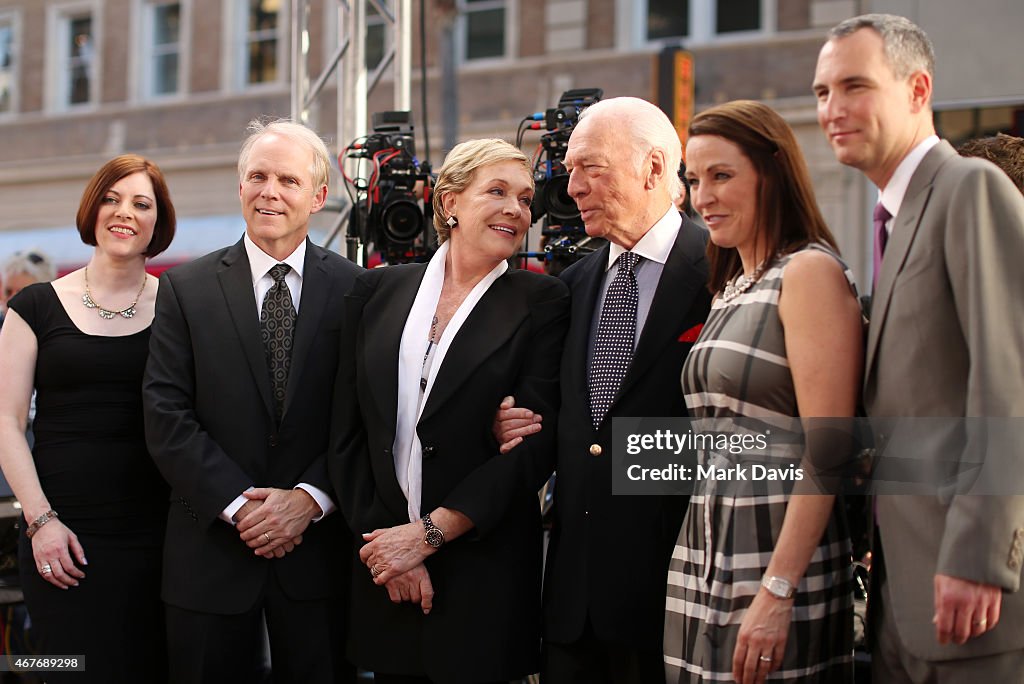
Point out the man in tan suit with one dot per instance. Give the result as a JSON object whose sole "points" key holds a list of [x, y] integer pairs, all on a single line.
{"points": [[946, 340]]}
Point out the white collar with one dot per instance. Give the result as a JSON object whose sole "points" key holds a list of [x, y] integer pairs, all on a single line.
{"points": [[656, 243], [896, 189], [260, 262]]}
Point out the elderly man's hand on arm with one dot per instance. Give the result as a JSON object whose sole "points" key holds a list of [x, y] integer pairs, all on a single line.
{"points": [[512, 424]]}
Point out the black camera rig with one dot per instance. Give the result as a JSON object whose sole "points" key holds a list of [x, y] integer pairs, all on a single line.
{"points": [[565, 240], [392, 204]]}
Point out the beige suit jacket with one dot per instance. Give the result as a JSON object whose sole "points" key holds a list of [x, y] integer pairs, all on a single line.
{"points": [[946, 339]]}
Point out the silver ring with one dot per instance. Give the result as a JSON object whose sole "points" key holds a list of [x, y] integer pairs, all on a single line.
{"points": [[46, 569], [375, 571], [764, 658], [267, 536], [981, 623]]}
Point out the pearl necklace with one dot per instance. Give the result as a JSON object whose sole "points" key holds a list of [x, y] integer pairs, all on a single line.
{"points": [[107, 314], [743, 283]]}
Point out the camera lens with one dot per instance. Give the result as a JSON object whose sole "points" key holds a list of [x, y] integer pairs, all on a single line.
{"points": [[561, 207], [402, 219]]}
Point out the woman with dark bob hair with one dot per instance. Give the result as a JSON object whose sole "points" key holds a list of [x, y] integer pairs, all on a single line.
{"points": [[446, 586], [88, 489], [760, 582]]}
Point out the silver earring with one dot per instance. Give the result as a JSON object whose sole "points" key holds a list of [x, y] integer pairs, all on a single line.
{"points": [[452, 221]]}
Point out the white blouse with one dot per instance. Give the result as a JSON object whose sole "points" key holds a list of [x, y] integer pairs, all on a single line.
{"points": [[417, 360]]}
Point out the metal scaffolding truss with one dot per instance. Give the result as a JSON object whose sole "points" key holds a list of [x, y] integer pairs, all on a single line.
{"points": [[347, 66]]}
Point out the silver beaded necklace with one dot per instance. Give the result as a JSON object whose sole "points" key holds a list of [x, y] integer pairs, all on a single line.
{"points": [[743, 282], [107, 314]]}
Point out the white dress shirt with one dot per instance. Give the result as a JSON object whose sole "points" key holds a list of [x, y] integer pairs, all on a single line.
{"points": [[654, 248], [892, 196], [260, 264]]}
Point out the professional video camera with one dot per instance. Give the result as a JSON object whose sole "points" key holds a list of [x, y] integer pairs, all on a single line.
{"points": [[552, 197], [565, 241], [392, 205]]}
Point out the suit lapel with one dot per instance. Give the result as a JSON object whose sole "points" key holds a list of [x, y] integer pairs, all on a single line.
{"points": [[315, 291], [494, 319], [584, 299], [383, 324], [904, 229], [235, 279]]}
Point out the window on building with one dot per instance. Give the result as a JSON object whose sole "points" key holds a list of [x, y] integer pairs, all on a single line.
{"points": [[737, 15], [8, 55], [960, 125], [702, 20], [667, 18], [263, 39], [78, 59], [162, 48], [484, 28]]}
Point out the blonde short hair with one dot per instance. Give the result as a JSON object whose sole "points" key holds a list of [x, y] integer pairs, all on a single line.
{"points": [[460, 167]]}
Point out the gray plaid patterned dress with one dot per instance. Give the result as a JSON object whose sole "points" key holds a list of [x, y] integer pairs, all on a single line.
{"points": [[738, 368]]}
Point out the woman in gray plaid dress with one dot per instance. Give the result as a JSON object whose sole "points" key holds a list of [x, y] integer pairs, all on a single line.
{"points": [[760, 582]]}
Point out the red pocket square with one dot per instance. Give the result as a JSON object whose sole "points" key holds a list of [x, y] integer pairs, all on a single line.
{"points": [[692, 334]]}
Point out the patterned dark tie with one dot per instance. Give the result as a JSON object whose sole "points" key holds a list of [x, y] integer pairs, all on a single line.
{"points": [[881, 215], [613, 344], [277, 325]]}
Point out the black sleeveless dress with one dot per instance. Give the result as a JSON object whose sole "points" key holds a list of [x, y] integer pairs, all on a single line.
{"points": [[91, 456]]}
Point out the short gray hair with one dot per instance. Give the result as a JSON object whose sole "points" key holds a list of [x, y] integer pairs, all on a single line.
{"points": [[907, 47], [321, 168], [648, 129], [32, 262]]}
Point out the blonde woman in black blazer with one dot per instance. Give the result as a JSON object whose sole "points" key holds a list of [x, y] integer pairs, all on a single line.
{"points": [[446, 586]]}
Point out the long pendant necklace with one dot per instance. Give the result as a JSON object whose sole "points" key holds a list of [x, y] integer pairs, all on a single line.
{"points": [[107, 314], [430, 345]]}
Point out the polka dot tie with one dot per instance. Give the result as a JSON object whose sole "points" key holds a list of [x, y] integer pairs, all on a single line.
{"points": [[277, 325], [613, 345]]}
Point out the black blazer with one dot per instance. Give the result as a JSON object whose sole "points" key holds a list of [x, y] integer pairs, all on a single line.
{"points": [[485, 624], [608, 557], [211, 429]]}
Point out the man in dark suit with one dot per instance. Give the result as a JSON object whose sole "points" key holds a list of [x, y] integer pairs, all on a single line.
{"points": [[945, 341], [237, 397], [604, 593]]}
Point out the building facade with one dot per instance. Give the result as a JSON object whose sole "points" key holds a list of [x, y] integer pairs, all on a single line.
{"points": [[177, 80]]}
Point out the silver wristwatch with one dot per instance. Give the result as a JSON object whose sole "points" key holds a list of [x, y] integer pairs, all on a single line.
{"points": [[778, 587]]}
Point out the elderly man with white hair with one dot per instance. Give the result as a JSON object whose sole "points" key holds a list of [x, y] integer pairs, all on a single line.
{"points": [[604, 589]]}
